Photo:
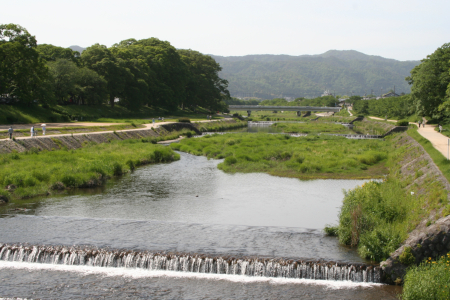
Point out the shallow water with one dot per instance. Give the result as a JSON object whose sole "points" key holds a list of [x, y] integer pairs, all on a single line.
{"points": [[188, 206]]}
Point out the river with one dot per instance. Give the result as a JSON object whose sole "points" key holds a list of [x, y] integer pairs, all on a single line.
{"points": [[191, 211]]}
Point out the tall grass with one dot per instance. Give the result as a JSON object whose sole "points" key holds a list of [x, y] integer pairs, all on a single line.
{"points": [[430, 280], [36, 173], [304, 157]]}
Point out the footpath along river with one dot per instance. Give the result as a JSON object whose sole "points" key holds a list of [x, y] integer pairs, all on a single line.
{"points": [[179, 209]]}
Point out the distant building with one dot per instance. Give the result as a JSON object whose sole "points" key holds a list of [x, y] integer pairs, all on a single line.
{"points": [[327, 93], [390, 94]]}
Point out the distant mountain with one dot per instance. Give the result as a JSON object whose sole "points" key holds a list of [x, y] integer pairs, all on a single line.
{"points": [[77, 48], [341, 72]]}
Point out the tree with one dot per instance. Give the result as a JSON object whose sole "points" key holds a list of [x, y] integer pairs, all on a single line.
{"points": [[430, 81], [204, 86], [100, 59], [52, 53], [22, 72]]}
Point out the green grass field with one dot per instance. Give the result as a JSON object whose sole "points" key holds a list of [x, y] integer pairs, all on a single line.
{"points": [[313, 127], [39, 173], [305, 157]]}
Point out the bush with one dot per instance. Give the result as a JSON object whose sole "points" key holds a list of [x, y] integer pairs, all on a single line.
{"points": [[429, 280], [402, 123], [117, 169], [407, 258], [184, 120], [331, 230], [230, 160]]}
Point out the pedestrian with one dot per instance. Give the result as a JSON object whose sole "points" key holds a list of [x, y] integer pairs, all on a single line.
{"points": [[10, 131], [32, 131], [153, 121], [419, 124], [440, 128], [43, 129]]}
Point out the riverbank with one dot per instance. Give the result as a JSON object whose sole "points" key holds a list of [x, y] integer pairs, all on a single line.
{"points": [[378, 218]]}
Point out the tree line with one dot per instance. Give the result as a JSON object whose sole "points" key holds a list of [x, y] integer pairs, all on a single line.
{"points": [[147, 72]]}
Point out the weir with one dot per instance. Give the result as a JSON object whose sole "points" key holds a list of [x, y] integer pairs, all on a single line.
{"points": [[195, 263]]}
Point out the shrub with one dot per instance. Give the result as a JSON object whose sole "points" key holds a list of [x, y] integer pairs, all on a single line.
{"points": [[117, 169], [407, 258], [184, 120], [230, 160], [402, 123], [131, 164], [331, 230], [429, 280]]}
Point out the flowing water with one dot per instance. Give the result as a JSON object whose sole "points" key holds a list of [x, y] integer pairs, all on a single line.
{"points": [[184, 230]]}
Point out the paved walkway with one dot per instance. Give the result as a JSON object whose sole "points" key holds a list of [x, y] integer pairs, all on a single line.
{"points": [[146, 127], [438, 140]]}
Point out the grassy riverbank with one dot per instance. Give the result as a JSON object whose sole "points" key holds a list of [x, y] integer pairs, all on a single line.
{"points": [[377, 217], [23, 114], [305, 157], [36, 173]]}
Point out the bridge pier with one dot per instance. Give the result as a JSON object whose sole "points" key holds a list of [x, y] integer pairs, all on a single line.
{"points": [[249, 112], [299, 113]]}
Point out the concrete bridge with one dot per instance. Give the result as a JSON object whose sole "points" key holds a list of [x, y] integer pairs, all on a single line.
{"points": [[298, 109]]}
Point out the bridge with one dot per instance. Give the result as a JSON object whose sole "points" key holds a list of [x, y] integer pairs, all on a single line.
{"points": [[298, 109]]}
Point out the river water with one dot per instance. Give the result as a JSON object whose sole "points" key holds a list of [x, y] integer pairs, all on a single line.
{"points": [[188, 207]]}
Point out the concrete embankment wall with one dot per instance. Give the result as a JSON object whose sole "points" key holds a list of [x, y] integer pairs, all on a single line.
{"points": [[78, 140], [431, 238]]}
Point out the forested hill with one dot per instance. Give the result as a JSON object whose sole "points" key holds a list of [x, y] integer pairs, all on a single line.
{"points": [[340, 72]]}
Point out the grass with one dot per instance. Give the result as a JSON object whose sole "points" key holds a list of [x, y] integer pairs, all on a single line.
{"points": [[305, 157], [429, 280], [372, 127], [20, 114], [38, 173], [278, 116], [440, 160], [377, 217], [313, 127]]}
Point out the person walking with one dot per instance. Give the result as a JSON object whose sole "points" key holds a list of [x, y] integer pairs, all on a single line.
{"points": [[32, 131], [419, 123], [153, 121], [43, 129], [440, 128], [10, 131]]}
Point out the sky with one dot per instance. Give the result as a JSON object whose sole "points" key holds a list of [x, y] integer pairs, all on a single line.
{"points": [[402, 30]]}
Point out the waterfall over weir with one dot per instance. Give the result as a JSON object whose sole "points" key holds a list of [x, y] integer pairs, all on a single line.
{"points": [[196, 263]]}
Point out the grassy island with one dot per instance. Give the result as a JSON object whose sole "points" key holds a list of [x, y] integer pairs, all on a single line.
{"points": [[282, 155]]}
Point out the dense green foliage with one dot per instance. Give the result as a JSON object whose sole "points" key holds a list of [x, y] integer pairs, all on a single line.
{"points": [[35, 173], [236, 101], [329, 101], [378, 216], [343, 72], [304, 157], [430, 280], [146, 72], [392, 107], [22, 72], [431, 84]]}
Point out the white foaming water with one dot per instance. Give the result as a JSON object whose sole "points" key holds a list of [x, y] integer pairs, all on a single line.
{"points": [[140, 273]]}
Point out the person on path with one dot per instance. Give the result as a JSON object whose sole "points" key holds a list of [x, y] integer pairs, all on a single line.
{"points": [[153, 121], [32, 131], [43, 129], [10, 131], [440, 128], [419, 123]]}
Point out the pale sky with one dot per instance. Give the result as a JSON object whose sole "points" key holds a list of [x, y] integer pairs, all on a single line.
{"points": [[399, 29]]}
